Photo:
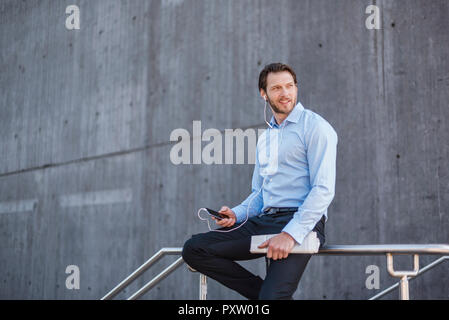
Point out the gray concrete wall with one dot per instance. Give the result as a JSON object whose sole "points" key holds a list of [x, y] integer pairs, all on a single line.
{"points": [[86, 116]]}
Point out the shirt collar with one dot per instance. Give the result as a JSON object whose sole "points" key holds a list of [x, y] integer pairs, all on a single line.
{"points": [[292, 117]]}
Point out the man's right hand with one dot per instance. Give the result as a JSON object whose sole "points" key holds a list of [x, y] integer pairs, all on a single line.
{"points": [[230, 217]]}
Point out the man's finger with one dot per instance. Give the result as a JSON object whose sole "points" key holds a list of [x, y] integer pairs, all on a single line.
{"points": [[264, 244], [275, 254], [281, 254], [269, 253], [220, 222]]}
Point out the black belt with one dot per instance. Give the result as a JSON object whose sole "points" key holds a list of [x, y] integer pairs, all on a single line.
{"points": [[273, 210]]}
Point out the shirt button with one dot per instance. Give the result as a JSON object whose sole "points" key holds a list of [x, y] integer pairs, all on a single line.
{"points": [[271, 198]]}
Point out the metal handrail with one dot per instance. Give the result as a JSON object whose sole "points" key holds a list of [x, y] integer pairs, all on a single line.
{"points": [[420, 272], [382, 249], [387, 249], [133, 276]]}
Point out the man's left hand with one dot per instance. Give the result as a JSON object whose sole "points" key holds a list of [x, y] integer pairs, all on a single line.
{"points": [[279, 246]]}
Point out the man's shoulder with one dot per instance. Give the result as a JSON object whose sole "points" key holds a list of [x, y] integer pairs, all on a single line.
{"points": [[312, 116], [312, 122], [311, 119]]}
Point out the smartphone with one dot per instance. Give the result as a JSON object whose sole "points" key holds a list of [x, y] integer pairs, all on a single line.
{"points": [[217, 215]]}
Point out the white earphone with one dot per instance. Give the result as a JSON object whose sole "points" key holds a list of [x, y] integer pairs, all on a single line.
{"points": [[265, 113]]}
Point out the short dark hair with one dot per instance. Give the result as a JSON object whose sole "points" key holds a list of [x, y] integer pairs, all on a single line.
{"points": [[274, 67]]}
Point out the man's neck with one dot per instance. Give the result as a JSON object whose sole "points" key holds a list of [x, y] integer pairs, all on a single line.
{"points": [[280, 117]]}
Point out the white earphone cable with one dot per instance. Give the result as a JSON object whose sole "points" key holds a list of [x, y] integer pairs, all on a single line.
{"points": [[246, 218], [249, 204], [265, 114]]}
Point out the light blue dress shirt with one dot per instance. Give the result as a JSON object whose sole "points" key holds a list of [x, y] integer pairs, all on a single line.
{"points": [[295, 167]]}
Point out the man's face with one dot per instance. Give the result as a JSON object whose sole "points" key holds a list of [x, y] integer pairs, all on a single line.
{"points": [[281, 92]]}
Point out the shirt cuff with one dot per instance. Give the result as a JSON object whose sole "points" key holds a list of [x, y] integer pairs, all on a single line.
{"points": [[297, 231], [240, 213]]}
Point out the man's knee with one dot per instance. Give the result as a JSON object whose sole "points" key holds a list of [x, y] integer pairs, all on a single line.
{"points": [[191, 251], [188, 250]]}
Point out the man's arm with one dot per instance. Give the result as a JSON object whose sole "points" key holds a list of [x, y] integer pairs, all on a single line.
{"points": [[321, 143]]}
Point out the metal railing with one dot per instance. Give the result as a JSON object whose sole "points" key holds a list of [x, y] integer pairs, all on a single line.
{"points": [[139, 271], [420, 272], [387, 249]]}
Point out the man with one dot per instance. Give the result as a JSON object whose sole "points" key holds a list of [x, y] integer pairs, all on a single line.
{"points": [[291, 190]]}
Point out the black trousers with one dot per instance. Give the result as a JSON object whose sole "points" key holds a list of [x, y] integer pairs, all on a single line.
{"points": [[214, 255]]}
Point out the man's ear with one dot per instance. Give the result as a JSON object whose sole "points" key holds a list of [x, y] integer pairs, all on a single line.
{"points": [[263, 94]]}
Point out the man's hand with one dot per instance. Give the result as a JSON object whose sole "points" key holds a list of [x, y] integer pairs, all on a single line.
{"points": [[230, 217], [279, 246]]}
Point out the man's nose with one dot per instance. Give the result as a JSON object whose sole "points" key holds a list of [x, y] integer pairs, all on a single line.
{"points": [[284, 92]]}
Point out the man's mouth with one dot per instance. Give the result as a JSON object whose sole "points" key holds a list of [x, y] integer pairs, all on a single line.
{"points": [[284, 102]]}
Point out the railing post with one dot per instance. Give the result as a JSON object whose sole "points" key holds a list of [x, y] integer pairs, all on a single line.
{"points": [[403, 285], [403, 289], [203, 287]]}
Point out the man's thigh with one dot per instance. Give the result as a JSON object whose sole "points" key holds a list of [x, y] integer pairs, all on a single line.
{"points": [[234, 245]]}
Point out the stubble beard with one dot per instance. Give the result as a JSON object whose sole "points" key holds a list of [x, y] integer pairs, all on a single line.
{"points": [[280, 111]]}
